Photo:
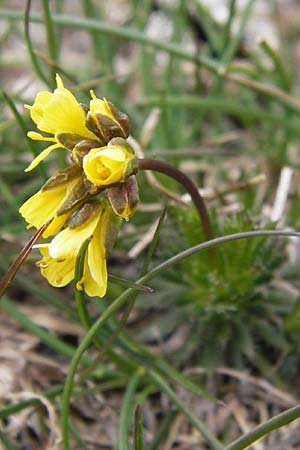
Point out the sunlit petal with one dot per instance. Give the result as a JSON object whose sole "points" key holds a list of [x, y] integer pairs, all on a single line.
{"points": [[41, 157], [68, 242]]}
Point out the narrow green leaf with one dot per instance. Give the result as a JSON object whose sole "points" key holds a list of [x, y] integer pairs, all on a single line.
{"points": [[138, 429], [265, 428], [127, 412]]}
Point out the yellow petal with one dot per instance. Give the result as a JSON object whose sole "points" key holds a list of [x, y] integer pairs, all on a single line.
{"points": [[59, 112], [39, 137], [68, 242], [58, 272], [37, 109], [56, 224], [43, 205], [100, 106], [106, 165], [94, 288], [41, 156], [59, 82], [96, 280]]}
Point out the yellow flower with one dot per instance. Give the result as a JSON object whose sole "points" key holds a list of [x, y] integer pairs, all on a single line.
{"points": [[108, 165], [59, 257], [56, 113], [43, 205]]}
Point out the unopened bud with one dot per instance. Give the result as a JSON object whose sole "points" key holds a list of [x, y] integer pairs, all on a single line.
{"points": [[106, 121], [124, 198], [74, 198], [110, 226], [81, 149], [62, 176], [68, 140], [109, 165], [83, 214]]}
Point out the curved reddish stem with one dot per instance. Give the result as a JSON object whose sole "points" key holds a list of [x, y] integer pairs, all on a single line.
{"points": [[180, 177], [12, 270]]}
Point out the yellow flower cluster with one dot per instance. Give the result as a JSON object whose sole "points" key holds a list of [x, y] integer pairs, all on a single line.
{"points": [[88, 198]]}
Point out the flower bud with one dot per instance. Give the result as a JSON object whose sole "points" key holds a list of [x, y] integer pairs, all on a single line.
{"points": [[83, 214], [81, 149], [124, 198], [77, 195], [106, 166], [62, 176], [105, 120], [110, 226], [68, 140]]}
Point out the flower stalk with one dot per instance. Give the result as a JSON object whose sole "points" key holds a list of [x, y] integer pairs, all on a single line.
{"points": [[7, 278], [180, 177]]}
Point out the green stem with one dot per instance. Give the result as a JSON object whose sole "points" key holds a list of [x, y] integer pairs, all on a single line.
{"points": [[247, 114], [227, 30], [27, 18], [265, 428], [121, 32], [180, 177], [84, 316], [81, 305], [235, 40], [12, 409], [138, 429], [121, 300], [210, 438], [32, 144], [127, 411], [117, 383], [50, 40], [280, 68], [79, 293]]}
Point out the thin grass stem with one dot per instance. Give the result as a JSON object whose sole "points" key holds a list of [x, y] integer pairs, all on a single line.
{"points": [[265, 428], [51, 41], [34, 60]]}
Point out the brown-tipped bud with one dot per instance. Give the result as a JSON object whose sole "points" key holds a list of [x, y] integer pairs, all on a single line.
{"points": [[74, 198], [62, 176], [124, 198], [83, 214], [84, 108], [110, 226], [68, 140], [81, 149], [106, 121]]}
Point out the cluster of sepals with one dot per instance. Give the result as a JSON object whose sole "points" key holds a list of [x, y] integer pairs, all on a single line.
{"points": [[88, 198]]}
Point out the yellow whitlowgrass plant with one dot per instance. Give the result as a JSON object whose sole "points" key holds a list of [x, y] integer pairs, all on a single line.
{"points": [[101, 159], [56, 113], [108, 165], [100, 225]]}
